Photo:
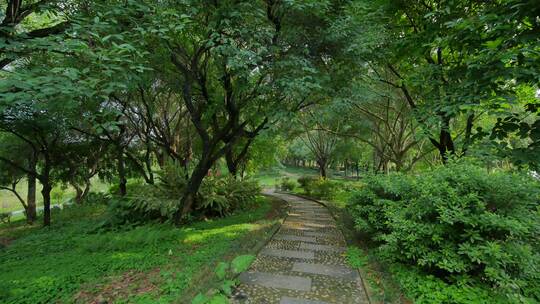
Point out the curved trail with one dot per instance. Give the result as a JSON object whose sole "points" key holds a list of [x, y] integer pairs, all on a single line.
{"points": [[303, 263]]}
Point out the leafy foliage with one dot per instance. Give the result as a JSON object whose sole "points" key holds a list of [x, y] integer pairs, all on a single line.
{"points": [[457, 222], [321, 188], [225, 272], [218, 196], [287, 184]]}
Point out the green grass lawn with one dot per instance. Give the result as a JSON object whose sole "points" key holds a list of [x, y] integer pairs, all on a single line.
{"points": [[9, 203], [271, 177], [158, 263]]}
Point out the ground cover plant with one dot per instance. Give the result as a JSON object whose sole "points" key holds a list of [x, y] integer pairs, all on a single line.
{"points": [[71, 262]]}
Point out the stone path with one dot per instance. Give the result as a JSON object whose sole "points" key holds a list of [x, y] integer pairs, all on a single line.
{"points": [[303, 263]]}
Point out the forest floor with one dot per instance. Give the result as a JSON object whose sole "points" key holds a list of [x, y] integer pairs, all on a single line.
{"points": [[303, 263], [72, 261]]}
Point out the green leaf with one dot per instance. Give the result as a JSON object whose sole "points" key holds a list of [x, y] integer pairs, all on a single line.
{"points": [[227, 286], [219, 299], [200, 299], [221, 270], [241, 263]]}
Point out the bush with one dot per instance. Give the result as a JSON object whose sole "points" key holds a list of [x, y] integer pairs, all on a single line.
{"points": [[286, 184], [324, 189], [139, 209], [457, 221], [318, 187], [223, 195], [217, 196], [114, 188], [97, 198], [5, 217], [306, 183]]}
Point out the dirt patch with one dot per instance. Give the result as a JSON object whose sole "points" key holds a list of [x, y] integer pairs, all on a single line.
{"points": [[4, 242], [120, 287]]}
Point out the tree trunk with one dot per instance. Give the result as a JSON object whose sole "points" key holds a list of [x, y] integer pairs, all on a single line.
{"points": [[78, 193], [232, 165], [322, 168], [194, 183], [45, 180], [31, 213], [446, 143], [46, 193], [122, 185]]}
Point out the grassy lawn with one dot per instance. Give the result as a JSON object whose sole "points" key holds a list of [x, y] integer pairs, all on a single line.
{"points": [[271, 177], [159, 263], [9, 203]]}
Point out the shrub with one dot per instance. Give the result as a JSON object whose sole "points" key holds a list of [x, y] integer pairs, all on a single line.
{"points": [[5, 217], [457, 220], [217, 196], [223, 195], [306, 183], [318, 187], [97, 198], [286, 184], [114, 188], [324, 189], [139, 209]]}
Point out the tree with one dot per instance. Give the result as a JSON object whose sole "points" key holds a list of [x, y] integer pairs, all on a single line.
{"points": [[448, 72], [10, 175], [227, 64], [16, 43]]}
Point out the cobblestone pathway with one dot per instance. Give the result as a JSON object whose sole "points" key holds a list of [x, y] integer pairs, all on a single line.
{"points": [[303, 263]]}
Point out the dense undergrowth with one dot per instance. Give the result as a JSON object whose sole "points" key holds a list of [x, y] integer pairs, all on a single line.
{"points": [[457, 234], [150, 263], [217, 196]]}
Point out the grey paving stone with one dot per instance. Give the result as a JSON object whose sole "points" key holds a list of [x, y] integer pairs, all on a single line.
{"points": [[294, 254], [288, 237], [329, 270], [289, 300], [298, 228], [319, 234], [276, 280], [321, 247], [313, 225]]}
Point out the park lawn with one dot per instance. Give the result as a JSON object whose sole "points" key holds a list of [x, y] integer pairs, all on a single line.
{"points": [[72, 262], [59, 194], [271, 177]]}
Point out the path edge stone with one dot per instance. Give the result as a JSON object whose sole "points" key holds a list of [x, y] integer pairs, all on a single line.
{"points": [[275, 229]]}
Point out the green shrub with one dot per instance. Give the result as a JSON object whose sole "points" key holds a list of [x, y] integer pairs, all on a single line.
{"points": [[306, 183], [5, 217], [321, 188], [286, 184], [223, 195], [428, 289], [324, 189], [457, 220], [217, 196], [97, 198], [114, 188]]}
